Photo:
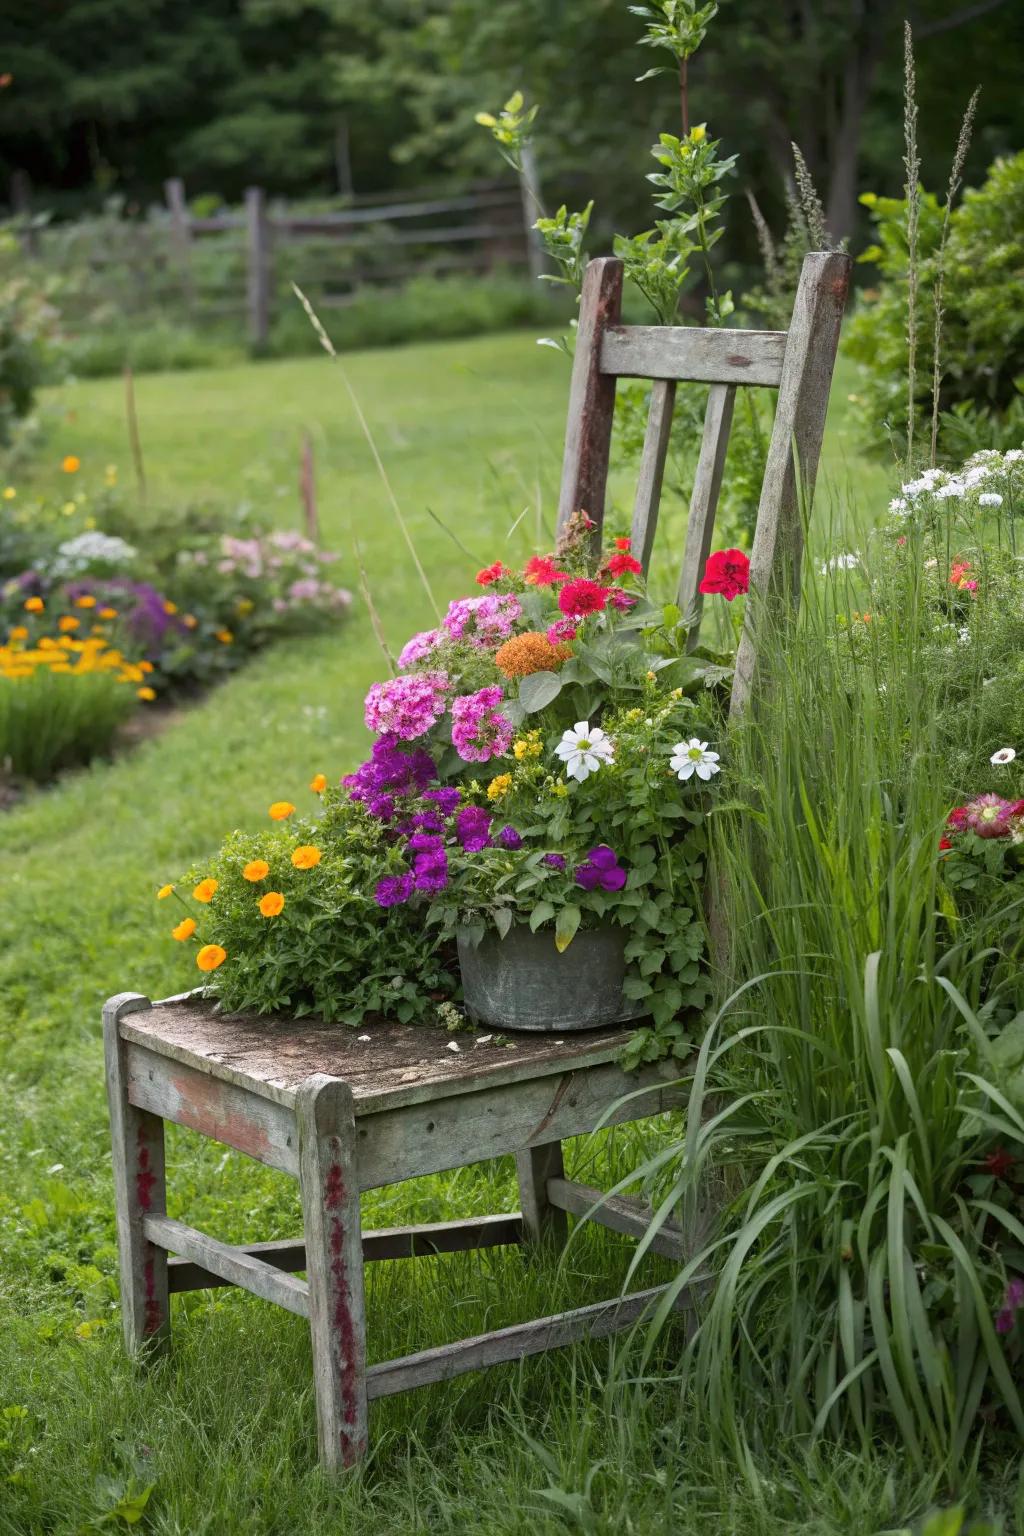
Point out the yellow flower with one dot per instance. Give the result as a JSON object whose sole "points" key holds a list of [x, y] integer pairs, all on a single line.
{"points": [[185, 929], [9, 493], [108, 613], [210, 956], [281, 810], [306, 857], [698, 134], [164, 891], [146, 694], [19, 632], [224, 636], [318, 783], [110, 474], [256, 869], [500, 785], [67, 622], [170, 607], [190, 621], [34, 605], [85, 601], [527, 746], [71, 465], [245, 605], [271, 904], [69, 508], [559, 789], [204, 891]]}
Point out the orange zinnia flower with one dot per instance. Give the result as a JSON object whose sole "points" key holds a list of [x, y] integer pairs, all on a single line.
{"points": [[318, 783], [33, 605], [185, 929], [71, 465], [108, 613], [19, 632], [306, 857], [67, 623], [256, 869], [281, 810], [164, 891], [271, 904], [210, 956], [145, 694], [85, 601], [205, 890], [224, 636]]}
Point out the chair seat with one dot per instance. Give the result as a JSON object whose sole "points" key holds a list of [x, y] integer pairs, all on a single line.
{"points": [[386, 1064]]}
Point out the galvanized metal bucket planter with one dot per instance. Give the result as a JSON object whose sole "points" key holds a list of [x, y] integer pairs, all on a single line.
{"points": [[522, 982]]}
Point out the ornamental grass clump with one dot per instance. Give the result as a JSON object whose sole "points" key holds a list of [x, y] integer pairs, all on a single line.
{"points": [[542, 759]]}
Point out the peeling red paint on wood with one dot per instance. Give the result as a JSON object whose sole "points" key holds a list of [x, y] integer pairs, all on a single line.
{"points": [[145, 1178], [344, 1333], [202, 1108], [154, 1313]]}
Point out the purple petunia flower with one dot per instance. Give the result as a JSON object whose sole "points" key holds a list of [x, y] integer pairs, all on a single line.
{"points": [[601, 871], [508, 837], [393, 890], [446, 799], [389, 770], [554, 860], [473, 828]]}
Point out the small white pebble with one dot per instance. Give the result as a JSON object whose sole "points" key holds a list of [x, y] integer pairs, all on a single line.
{"points": [[483, 1039], [362, 1037], [559, 1042], [453, 1045]]}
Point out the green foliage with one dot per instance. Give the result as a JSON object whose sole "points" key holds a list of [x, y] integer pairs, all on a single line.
{"points": [[50, 722], [677, 27], [983, 328], [29, 347]]}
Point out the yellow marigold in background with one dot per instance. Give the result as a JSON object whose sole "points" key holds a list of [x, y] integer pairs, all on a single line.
{"points": [[108, 613], [224, 636], [71, 464], [67, 622], [210, 956], [271, 904], [306, 857], [256, 869], [500, 785], [164, 891], [85, 601], [318, 783], [281, 810], [205, 890], [190, 621], [185, 929], [170, 607], [145, 694], [244, 606], [19, 632], [533, 652], [34, 605], [9, 493]]}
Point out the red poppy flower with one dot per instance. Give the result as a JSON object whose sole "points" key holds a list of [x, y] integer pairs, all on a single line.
{"points": [[621, 565], [541, 571], [581, 597], [623, 543], [490, 574], [727, 573], [999, 1162]]}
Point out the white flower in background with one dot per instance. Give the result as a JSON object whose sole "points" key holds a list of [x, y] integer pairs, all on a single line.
{"points": [[89, 549], [692, 757], [990, 499], [899, 504], [583, 750], [1013, 455], [844, 562], [1002, 757], [964, 635]]}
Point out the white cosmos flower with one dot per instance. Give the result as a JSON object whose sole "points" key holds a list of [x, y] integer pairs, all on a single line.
{"points": [[583, 750], [692, 757], [990, 499], [1002, 757]]}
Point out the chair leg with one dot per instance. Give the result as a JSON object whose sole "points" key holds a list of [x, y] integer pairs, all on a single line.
{"points": [[137, 1143], [542, 1221], [328, 1179]]}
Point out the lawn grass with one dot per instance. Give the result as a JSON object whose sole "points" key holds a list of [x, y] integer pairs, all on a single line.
{"points": [[471, 431]]}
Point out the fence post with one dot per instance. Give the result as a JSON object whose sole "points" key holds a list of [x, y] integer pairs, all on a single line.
{"points": [[181, 235], [529, 190], [259, 265]]}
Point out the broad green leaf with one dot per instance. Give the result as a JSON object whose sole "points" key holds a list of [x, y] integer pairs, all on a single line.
{"points": [[542, 913], [539, 690], [565, 927]]}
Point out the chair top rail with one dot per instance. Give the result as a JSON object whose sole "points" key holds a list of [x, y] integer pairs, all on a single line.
{"points": [[693, 354]]}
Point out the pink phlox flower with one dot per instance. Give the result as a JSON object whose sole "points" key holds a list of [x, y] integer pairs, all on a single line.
{"points": [[479, 730], [406, 706]]}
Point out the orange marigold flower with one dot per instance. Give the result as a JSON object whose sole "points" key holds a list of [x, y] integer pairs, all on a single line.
{"points": [[281, 810], [205, 890], [210, 956], [256, 869], [85, 601], [306, 857], [164, 891], [528, 653], [33, 605], [271, 904], [145, 666], [170, 607], [145, 694], [108, 613], [67, 622], [318, 783], [185, 929], [19, 632], [190, 621], [224, 636], [71, 464]]}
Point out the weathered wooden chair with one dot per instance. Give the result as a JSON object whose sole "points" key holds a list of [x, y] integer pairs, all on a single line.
{"points": [[344, 1115]]}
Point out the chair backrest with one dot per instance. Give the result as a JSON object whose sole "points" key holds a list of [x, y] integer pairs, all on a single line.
{"points": [[798, 363]]}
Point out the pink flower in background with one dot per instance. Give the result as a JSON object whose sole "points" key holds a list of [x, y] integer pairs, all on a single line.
{"points": [[418, 647], [727, 572], [622, 600], [562, 630], [990, 815], [479, 730], [304, 591], [482, 620], [407, 707]]}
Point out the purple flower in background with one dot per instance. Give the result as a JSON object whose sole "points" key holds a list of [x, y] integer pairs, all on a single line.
{"points": [[427, 821], [479, 730], [406, 706], [602, 870], [305, 591], [621, 600], [142, 608], [381, 806], [1006, 1317], [430, 866], [393, 890], [554, 860], [508, 837], [473, 828], [447, 800], [389, 771]]}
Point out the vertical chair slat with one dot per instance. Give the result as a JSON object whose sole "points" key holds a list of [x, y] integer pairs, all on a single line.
{"points": [[652, 469], [588, 432], [792, 454], [707, 484]]}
